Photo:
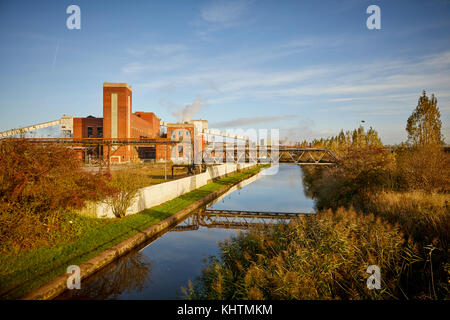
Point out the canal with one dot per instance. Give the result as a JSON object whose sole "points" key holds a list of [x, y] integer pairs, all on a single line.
{"points": [[162, 266]]}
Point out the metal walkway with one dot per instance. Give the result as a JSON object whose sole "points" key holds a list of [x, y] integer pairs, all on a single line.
{"points": [[274, 154]]}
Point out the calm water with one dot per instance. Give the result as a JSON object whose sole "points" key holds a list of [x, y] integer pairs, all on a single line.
{"points": [[162, 267]]}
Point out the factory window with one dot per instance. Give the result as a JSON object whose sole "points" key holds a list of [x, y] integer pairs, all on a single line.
{"points": [[90, 132], [99, 132]]}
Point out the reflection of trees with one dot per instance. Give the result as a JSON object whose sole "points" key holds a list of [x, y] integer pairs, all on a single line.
{"points": [[129, 273], [307, 176]]}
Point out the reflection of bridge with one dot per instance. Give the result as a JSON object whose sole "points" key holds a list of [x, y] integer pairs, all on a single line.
{"points": [[234, 219]]}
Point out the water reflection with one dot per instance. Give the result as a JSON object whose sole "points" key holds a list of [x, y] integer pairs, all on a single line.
{"points": [[129, 273], [280, 192], [229, 219]]}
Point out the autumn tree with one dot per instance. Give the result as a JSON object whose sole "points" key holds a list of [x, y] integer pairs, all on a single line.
{"points": [[424, 124], [425, 164]]}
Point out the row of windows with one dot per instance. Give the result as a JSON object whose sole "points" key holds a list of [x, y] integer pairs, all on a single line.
{"points": [[180, 133], [90, 132]]}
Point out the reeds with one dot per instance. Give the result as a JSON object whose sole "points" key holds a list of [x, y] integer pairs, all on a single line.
{"points": [[322, 256]]}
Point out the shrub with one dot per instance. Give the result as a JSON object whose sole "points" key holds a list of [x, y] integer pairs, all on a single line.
{"points": [[422, 216], [423, 168], [128, 185], [360, 170], [38, 183]]}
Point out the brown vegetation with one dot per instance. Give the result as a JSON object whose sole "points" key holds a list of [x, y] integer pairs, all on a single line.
{"points": [[423, 168], [408, 188], [38, 184], [402, 208], [323, 256]]}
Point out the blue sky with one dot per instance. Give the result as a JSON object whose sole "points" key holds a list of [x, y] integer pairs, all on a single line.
{"points": [[308, 68]]}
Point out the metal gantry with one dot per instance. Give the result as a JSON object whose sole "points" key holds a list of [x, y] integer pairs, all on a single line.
{"points": [[229, 154], [33, 127], [270, 154], [92, 143], [101, 141], [307, 156]]}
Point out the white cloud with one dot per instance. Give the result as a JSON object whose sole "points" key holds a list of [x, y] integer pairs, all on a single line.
{"points": [[157, 58], [349, 79], [221, 11], [221, 14], [385, 87], [305, 129], [247, 121], [158, 64], [157, 49]]}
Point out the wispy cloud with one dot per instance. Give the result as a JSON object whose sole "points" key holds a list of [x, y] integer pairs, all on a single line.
{"points": [[383, 84], [382, 75], [221, 14], [241, 122], [54, 57], [305, 129], [156, 64], [377, 88], [156, 58], [157, 49], [175, 56], [346, 82], [224, 11]]}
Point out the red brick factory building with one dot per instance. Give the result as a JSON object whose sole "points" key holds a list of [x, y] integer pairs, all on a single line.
{"points": [[119, 122]]}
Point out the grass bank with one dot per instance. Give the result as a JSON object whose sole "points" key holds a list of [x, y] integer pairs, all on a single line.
{"points": [[21, 272]]}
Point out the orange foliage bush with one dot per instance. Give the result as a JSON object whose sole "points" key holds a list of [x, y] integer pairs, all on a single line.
{"points": [[38, 183]]}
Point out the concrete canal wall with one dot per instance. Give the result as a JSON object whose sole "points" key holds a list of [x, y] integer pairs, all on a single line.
{"points": [[157, 194]]}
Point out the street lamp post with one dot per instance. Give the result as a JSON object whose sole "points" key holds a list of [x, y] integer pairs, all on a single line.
{"points": [[165, 162]]}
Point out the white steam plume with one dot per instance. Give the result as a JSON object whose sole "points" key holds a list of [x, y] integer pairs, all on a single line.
{"points": [[187, 112]]}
